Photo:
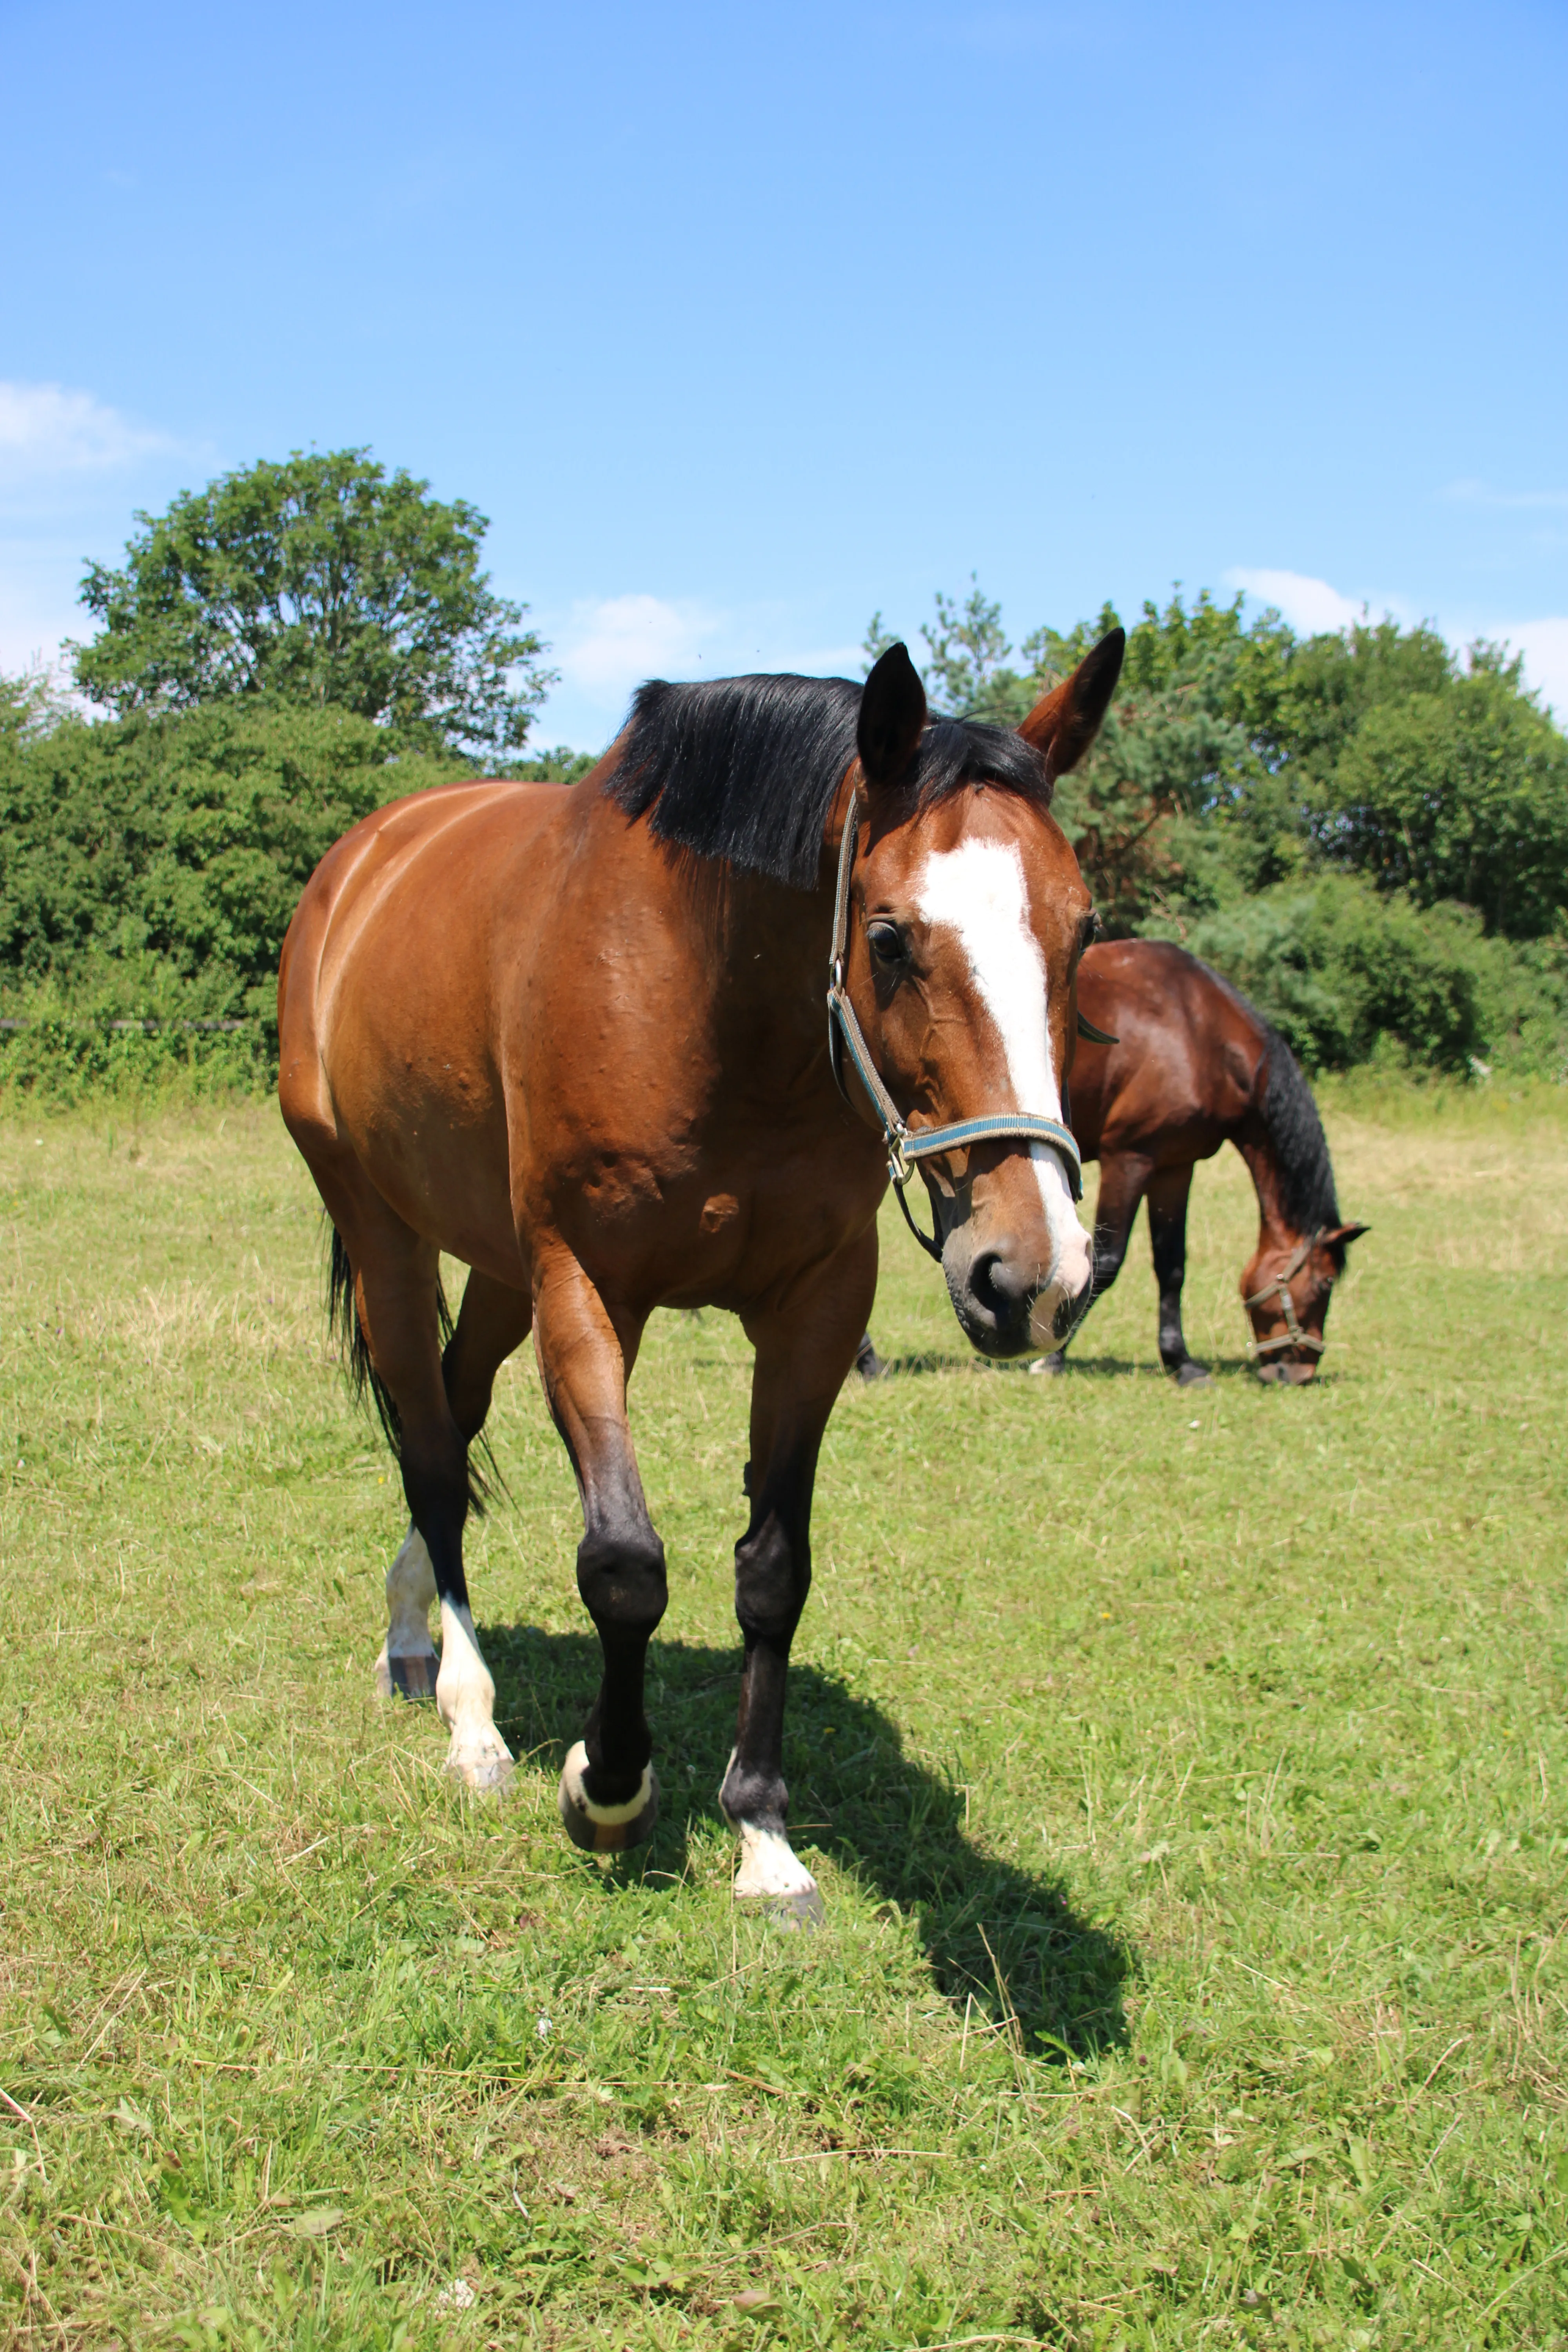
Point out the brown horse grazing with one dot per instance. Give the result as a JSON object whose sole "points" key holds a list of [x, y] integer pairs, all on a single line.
{"points": [[578, 1039], [1194, 1065]]}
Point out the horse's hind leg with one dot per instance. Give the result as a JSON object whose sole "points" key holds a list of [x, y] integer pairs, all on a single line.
{"points": [[609, 1795], [803, 1355], [1168, 1194], [396, 1277], [491, 1321]]}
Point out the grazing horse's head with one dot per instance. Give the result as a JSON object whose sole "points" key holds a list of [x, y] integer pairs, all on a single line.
{"points": [[1286, 1290], [968, 915]]}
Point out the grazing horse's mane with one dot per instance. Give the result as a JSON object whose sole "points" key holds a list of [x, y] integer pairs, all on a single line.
{"points": [[1300, 1147], [1291, 1121], [745, 768]]}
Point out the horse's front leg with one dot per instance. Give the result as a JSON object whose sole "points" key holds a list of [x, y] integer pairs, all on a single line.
{"points": [[805, 1348], [609, 1793]]}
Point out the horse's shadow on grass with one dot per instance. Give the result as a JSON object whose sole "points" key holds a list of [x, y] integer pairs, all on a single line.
{"points": [[999, 1935]]}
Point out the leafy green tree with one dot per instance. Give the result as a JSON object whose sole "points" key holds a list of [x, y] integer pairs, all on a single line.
{"points": [[152, 864], [323, 581], [1459, 793]]}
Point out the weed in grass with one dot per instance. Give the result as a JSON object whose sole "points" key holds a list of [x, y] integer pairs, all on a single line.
{"points": [[1184, 1772]]}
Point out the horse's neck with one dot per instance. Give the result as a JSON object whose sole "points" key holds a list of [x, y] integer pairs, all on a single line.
{"points": [[1276, 1230]]}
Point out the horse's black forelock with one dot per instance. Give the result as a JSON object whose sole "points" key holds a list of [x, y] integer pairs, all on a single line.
{"points": [[745, 768]]}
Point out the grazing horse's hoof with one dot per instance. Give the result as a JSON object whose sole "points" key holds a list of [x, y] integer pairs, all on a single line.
{"points": [[413, 1679], [1189, 1375], [1051, 1365], [605, 1829], [867, 1362]]}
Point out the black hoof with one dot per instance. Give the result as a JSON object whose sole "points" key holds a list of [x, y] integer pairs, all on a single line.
{"points": [[1190, 1375], [583, 1822], [410, 1678], [867, 1362]]}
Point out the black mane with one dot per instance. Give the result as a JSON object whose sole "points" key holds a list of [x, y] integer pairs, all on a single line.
{"points": [[1300, 1147], [1291, 1121], [746, 768]]}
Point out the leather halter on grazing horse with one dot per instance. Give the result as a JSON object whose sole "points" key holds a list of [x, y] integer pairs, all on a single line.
{"points": [[573, 1038], [1277, 1289]]}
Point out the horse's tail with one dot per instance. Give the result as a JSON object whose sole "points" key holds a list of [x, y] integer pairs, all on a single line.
{"points": [[343, 1323]]}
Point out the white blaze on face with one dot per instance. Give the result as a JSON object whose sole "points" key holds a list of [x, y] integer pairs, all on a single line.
{"points": [[979, 890]]}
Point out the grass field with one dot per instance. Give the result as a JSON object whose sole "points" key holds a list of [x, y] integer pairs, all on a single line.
{"points": [[1185, 1771]]}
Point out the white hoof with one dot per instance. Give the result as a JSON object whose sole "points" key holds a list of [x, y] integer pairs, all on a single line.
{"points": [[604, 1828], [772, 1875], [407, 1659], [466, 1694], [481, 1762]]}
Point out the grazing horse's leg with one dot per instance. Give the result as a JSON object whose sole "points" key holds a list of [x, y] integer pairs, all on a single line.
{"points": [[804, 1350], [1168, 1235], [491, 1321], [609, 1793], [1122, 1178]]}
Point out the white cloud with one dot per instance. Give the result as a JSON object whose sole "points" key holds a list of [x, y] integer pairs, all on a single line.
{"points": [[608, 647], [47, 428], [1480, 494], [1315, 606], [1311, 606], [1544, 645], [604, 647]]}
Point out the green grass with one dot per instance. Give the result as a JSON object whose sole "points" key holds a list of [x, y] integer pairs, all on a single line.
{"points": [[1184, 1772]]}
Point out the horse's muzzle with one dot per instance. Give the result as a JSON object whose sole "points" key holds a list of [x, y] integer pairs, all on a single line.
{"points": [[1005, 1309]]}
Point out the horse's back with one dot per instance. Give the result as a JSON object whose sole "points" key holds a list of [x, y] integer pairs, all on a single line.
{"points": [[1184, 1071], [385, 1001]]}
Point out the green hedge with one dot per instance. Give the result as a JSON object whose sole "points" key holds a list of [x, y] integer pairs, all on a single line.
{"points": [[1349, 973]]}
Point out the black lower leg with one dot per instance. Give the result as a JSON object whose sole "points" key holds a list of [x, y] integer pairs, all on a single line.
{"points": [[621, 1577], [773, 1578], [436, 1489], [1168, 1238]]}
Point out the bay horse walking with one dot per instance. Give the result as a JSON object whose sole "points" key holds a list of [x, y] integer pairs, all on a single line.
{"points": [[659, 1040], [1192, 1065]]}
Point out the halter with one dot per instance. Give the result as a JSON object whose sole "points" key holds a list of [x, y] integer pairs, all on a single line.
{"points": [[1292, 1336], [904, 1148]]}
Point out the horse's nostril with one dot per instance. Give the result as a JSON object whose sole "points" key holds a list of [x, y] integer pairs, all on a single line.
{"points": [[997, 1286]]}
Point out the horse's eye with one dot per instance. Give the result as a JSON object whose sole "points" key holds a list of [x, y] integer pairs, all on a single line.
{"points": [[886, 942]]}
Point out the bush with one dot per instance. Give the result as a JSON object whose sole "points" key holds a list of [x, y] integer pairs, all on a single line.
{"points": [[1347, 973], [152, 865]]}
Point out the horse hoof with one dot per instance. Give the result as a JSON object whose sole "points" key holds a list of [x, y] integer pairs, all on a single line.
{"points": [[605, 1829], [411, 1678], [1193, 1376], [801, 1909], [485, 1768], [867, 1362], [1051, 1365]]}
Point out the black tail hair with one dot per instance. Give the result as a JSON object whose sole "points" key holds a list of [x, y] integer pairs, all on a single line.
{"points": [[343, 1323]]}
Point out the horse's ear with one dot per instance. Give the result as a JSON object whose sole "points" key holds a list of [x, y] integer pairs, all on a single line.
{"points": [[1065, 721], [1341, 1234], [892, 713]]}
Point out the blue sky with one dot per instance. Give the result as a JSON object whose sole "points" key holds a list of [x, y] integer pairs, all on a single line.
{"points": [[741, 321]]}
